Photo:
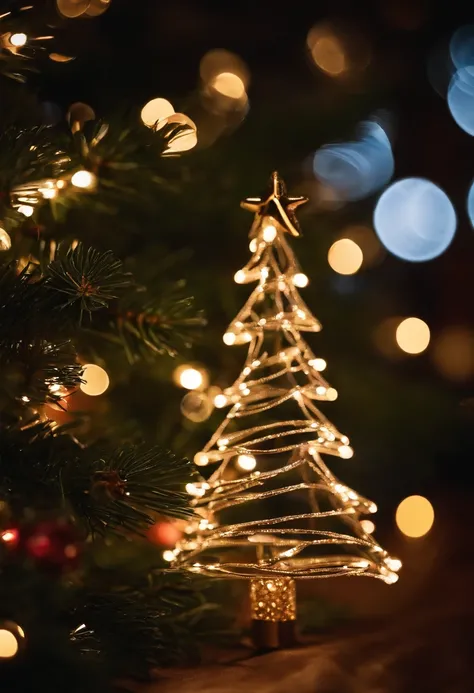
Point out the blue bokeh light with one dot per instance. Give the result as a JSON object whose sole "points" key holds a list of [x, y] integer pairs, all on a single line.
{"points": [[461, 46], [470, 203], [461, 98], [415, 220], [356, 169]]}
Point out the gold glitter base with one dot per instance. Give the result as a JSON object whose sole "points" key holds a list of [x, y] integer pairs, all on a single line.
{"points": [[273, 599]]}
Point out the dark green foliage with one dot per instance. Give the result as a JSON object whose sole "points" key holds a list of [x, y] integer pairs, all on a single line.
{"points": [[118, 490], [90, 279], [148, 325]]}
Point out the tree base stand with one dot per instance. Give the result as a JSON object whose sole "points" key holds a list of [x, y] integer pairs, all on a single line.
{"points": [[273, 607]]}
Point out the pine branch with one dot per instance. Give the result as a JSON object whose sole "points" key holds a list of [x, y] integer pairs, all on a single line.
{"points": [[110, 491], [88, 278], [161, 325]]}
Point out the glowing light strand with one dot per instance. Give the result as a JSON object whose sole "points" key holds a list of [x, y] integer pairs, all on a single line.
{"points": [[270, 380]]}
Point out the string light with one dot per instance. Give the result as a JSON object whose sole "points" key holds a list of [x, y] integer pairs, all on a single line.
{"points": [[26, 210], [413, 335], [220, 401], [84, 179], [239, 277], [368, 526], [246, 462], [18, 40], [269, 233], [96, 380], [300, 280], [189, 377], [229, 338], [317, 364], [345, 256], [168, 555], [253, 245], [283, 547], [345, 451], [415, 516]]}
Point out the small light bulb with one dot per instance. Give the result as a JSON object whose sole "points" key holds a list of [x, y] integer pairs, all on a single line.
{"points": [[201, 459], [168, 555], [195, 490], [220, 401], [229, 338], [239, 277], [391, 578], [84, 179], [318, 364], [393, 563], [18, 40], [300, 280], [368, 526], [253, 245], [246, 462], [246, 337], [49, 193], [190, 378], [269, 233], [61, 184], [26, 210], [320, 390], [345, 451], [8, 644], [331, 394]]}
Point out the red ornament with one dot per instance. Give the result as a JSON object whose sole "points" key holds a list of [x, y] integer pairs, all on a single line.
{"points": [[54, 544], [164, 534]]}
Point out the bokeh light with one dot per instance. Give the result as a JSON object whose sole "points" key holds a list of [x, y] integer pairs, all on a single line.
{"points": [[196, 406], [220, 401], [96, 380], [356, 169], [168, 555], [453, 353], [461, 46], [26, 210], [413, 335], [345, 256], [345, 451], [470, 204], [461, 98], [415, 516], [190, 377], [185, 136], [8, 644], [155, 111], [415, 219], [228, 84], [327, 50], [218, 63]]}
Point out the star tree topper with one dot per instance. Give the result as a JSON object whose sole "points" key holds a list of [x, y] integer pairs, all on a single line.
{"points": [[276, 203]]}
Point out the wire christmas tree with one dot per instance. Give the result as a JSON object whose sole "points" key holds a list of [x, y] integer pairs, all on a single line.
{"points": [[273, 423]]}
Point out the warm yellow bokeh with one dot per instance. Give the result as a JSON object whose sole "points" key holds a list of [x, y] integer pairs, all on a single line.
{"points": [[345, 256], [415, 516], [96, 380], [228, 84], [413, 335], [156, 110], [246, 462], [8, 644]]}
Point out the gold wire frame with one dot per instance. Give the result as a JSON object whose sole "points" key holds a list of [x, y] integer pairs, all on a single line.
{"points": [[290, 545]]}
